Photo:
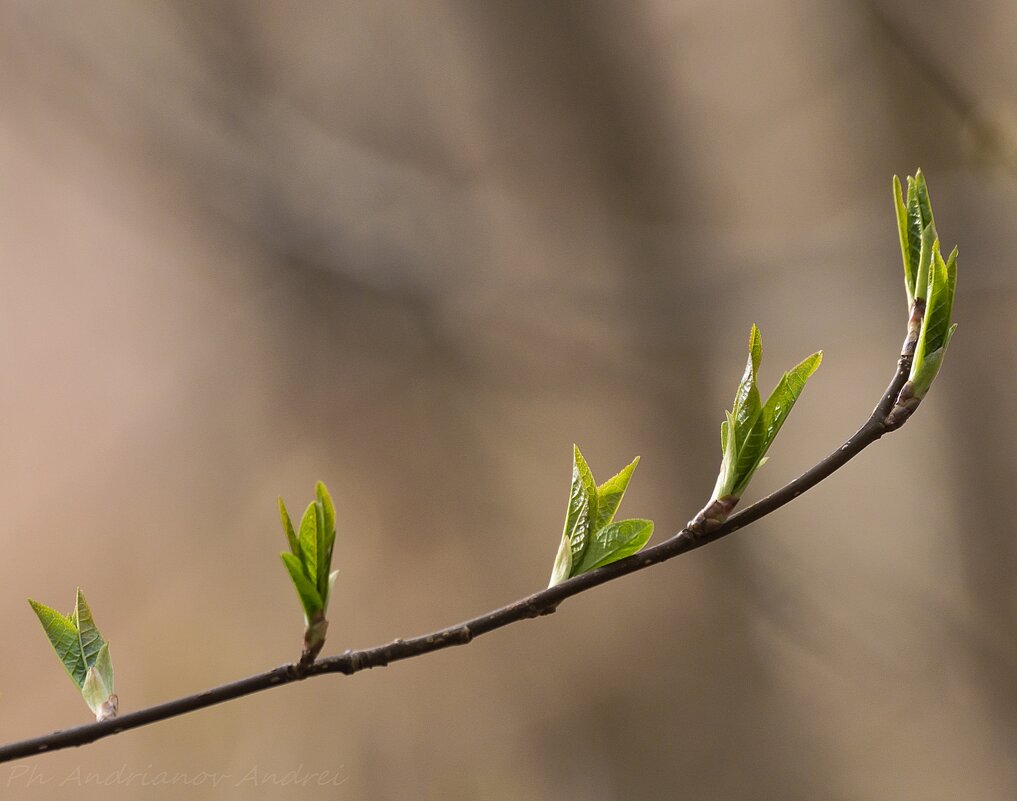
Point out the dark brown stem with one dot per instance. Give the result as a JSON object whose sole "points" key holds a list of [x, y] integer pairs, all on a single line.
{"points": [[540, 603]]}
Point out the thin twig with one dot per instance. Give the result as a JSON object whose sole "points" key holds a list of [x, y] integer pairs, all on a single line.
{"points": [[541, 603]]}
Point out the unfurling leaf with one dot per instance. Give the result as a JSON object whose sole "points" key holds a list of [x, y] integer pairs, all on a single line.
{"points": [[309, 542], [310, 600], [287, 525], [610, 494], [83, 653], [614, 542], [309, 564], [786, 393], [749, 429], [937, 326], [931, 284], [590, 539], [63, 636], [88, 634], [98, 689]]}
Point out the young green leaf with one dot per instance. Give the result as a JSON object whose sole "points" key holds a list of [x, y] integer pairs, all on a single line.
{"points": [[915, 226], [750, 452], [919, 217], [937, 330], [582, 508], [929, 242], [747, 402], [614, 542], [321, 578], [729, 458], [610, 494], [88, 635], [104, 667], [97, 689], [324, 501], [309, 565], [934, 283], [905, 244], [942, 287], [562, 567], [82, 652], [924, 204], [322, 496], [749, 429], [917, 231], [63, 636], [309, 542], [787, 391], [310, 599], [589, 538], [287, 524]]}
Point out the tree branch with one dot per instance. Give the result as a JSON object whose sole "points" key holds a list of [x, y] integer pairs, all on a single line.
{"points": [[540, 603]]}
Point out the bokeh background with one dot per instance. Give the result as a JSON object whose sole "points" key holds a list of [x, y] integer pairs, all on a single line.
{"points": [[417, 250]]}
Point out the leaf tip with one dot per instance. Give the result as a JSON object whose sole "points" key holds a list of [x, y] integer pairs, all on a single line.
{"points": [[755, 338]]}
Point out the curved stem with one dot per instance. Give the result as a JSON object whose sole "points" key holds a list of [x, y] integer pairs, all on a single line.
{"points": [[540, 603]]}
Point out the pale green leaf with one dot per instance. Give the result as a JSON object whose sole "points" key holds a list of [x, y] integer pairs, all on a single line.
{"points": [[610, 494], [942, 287], [63, 636], [309, 542], [747, 401], [310, 600], [924, 204], [905, 248], [614, 542], [104, 667], [98, 684], [331, 586], [787, 391], [755, 348], [562, 568], [925, 373], [915, 226], [323, 547], [321, 492], [937, 330], [287, 524], [919, 218], [750, 427], [325, 500], [94, 691], [750, 451], [88, 635], [726, 475], [929, 243], [582, 508]]}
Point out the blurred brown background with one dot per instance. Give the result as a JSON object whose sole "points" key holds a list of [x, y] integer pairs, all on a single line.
{"points": [[417, 250]]}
